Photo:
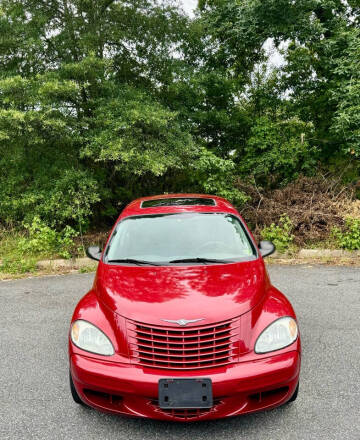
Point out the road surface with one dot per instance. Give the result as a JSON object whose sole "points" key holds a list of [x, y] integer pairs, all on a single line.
{"points": [[34, 391]]}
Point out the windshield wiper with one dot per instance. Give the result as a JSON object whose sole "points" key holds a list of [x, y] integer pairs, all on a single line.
{"points": [[199, 260], [134, 261]]}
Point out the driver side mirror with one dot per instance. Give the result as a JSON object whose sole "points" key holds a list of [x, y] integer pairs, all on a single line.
{"points": [[266, 248], [94, 252]]}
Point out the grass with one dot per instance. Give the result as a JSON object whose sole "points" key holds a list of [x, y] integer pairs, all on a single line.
{"points": [[13, 261], [16, 264], [20, 251], [329, 243], [19, 259], [87, 269]]}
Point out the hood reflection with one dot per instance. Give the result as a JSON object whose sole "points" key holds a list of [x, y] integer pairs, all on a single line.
{"points": [[171, 291]]}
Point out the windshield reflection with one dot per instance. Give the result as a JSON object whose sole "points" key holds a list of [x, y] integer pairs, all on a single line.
{"points": [[182, 236]]}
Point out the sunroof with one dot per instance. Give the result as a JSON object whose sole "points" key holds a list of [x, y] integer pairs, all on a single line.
{"points": [[178, 201]]}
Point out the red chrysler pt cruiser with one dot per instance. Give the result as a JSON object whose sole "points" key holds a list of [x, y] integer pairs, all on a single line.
{"points": [[182, 322]]}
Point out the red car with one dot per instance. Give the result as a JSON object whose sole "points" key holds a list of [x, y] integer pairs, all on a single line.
{"points": [[182, 322]]}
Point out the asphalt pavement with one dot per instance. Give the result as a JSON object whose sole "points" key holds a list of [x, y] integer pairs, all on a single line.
{"points": [[35, 401]]}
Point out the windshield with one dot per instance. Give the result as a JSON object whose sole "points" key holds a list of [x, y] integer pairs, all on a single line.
{"points": [[164, 238]]}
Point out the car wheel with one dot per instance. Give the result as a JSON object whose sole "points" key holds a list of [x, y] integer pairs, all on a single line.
{"points": [[294, 396], [74, 393]]}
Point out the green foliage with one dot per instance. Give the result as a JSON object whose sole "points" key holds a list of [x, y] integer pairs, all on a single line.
{"points": [[277, 151], [17, 265], [92, 109], [349, 237], [87, 269], [216, 176], [280, 234], [42, 240], [322, 73], [12, 260], [103, 101], [347, 115], [135, 134], [318, 83]]}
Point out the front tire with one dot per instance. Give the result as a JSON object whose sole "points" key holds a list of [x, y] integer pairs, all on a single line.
{"points": [[294, 396], [74, 393]]}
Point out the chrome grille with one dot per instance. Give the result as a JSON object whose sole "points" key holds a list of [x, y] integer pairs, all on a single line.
{"points": [[184, 348]]}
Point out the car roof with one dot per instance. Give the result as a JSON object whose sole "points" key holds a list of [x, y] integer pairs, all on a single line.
{"points": [[185, 203]]}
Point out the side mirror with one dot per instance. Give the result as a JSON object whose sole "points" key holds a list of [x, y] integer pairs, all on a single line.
{"points": [[94, 252], [266, 248]]}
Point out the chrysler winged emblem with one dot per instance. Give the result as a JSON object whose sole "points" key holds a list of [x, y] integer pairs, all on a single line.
{"points": [[182, 322]]}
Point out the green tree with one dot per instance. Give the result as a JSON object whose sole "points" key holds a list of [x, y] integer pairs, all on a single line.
{"points": [[102, 101], [316, 90], [84, 122], [346, 94]]}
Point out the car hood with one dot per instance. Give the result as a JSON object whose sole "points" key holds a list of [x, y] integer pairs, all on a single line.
{"points": [[150, 294]]}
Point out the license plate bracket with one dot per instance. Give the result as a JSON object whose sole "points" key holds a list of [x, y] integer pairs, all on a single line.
{"points": [[179, 393]]}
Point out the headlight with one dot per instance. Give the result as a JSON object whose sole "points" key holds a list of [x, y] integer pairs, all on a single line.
{"points": [[277, 335], [89, 338]]}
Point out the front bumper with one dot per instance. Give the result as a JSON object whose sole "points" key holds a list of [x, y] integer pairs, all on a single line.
{"points": [[239, 388]]}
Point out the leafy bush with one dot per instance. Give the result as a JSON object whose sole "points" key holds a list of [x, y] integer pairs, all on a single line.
{"points": [[280, 234], [16, 264], [277, 151], [213, 175], [44, 240], [349, 237]]}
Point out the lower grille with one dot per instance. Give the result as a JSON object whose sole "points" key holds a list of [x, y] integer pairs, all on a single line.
{"points": [[103, 399], [186, 414], [265, 396], [191, 348]]}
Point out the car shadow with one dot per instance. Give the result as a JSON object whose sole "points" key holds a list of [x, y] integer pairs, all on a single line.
{"points": [[221, 428]]}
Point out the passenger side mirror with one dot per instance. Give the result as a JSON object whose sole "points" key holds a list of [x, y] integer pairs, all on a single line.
{"points": [[266, 248], [94, 252]]}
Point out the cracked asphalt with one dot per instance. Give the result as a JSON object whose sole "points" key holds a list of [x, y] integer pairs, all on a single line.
{"points": [[35, 400]]}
